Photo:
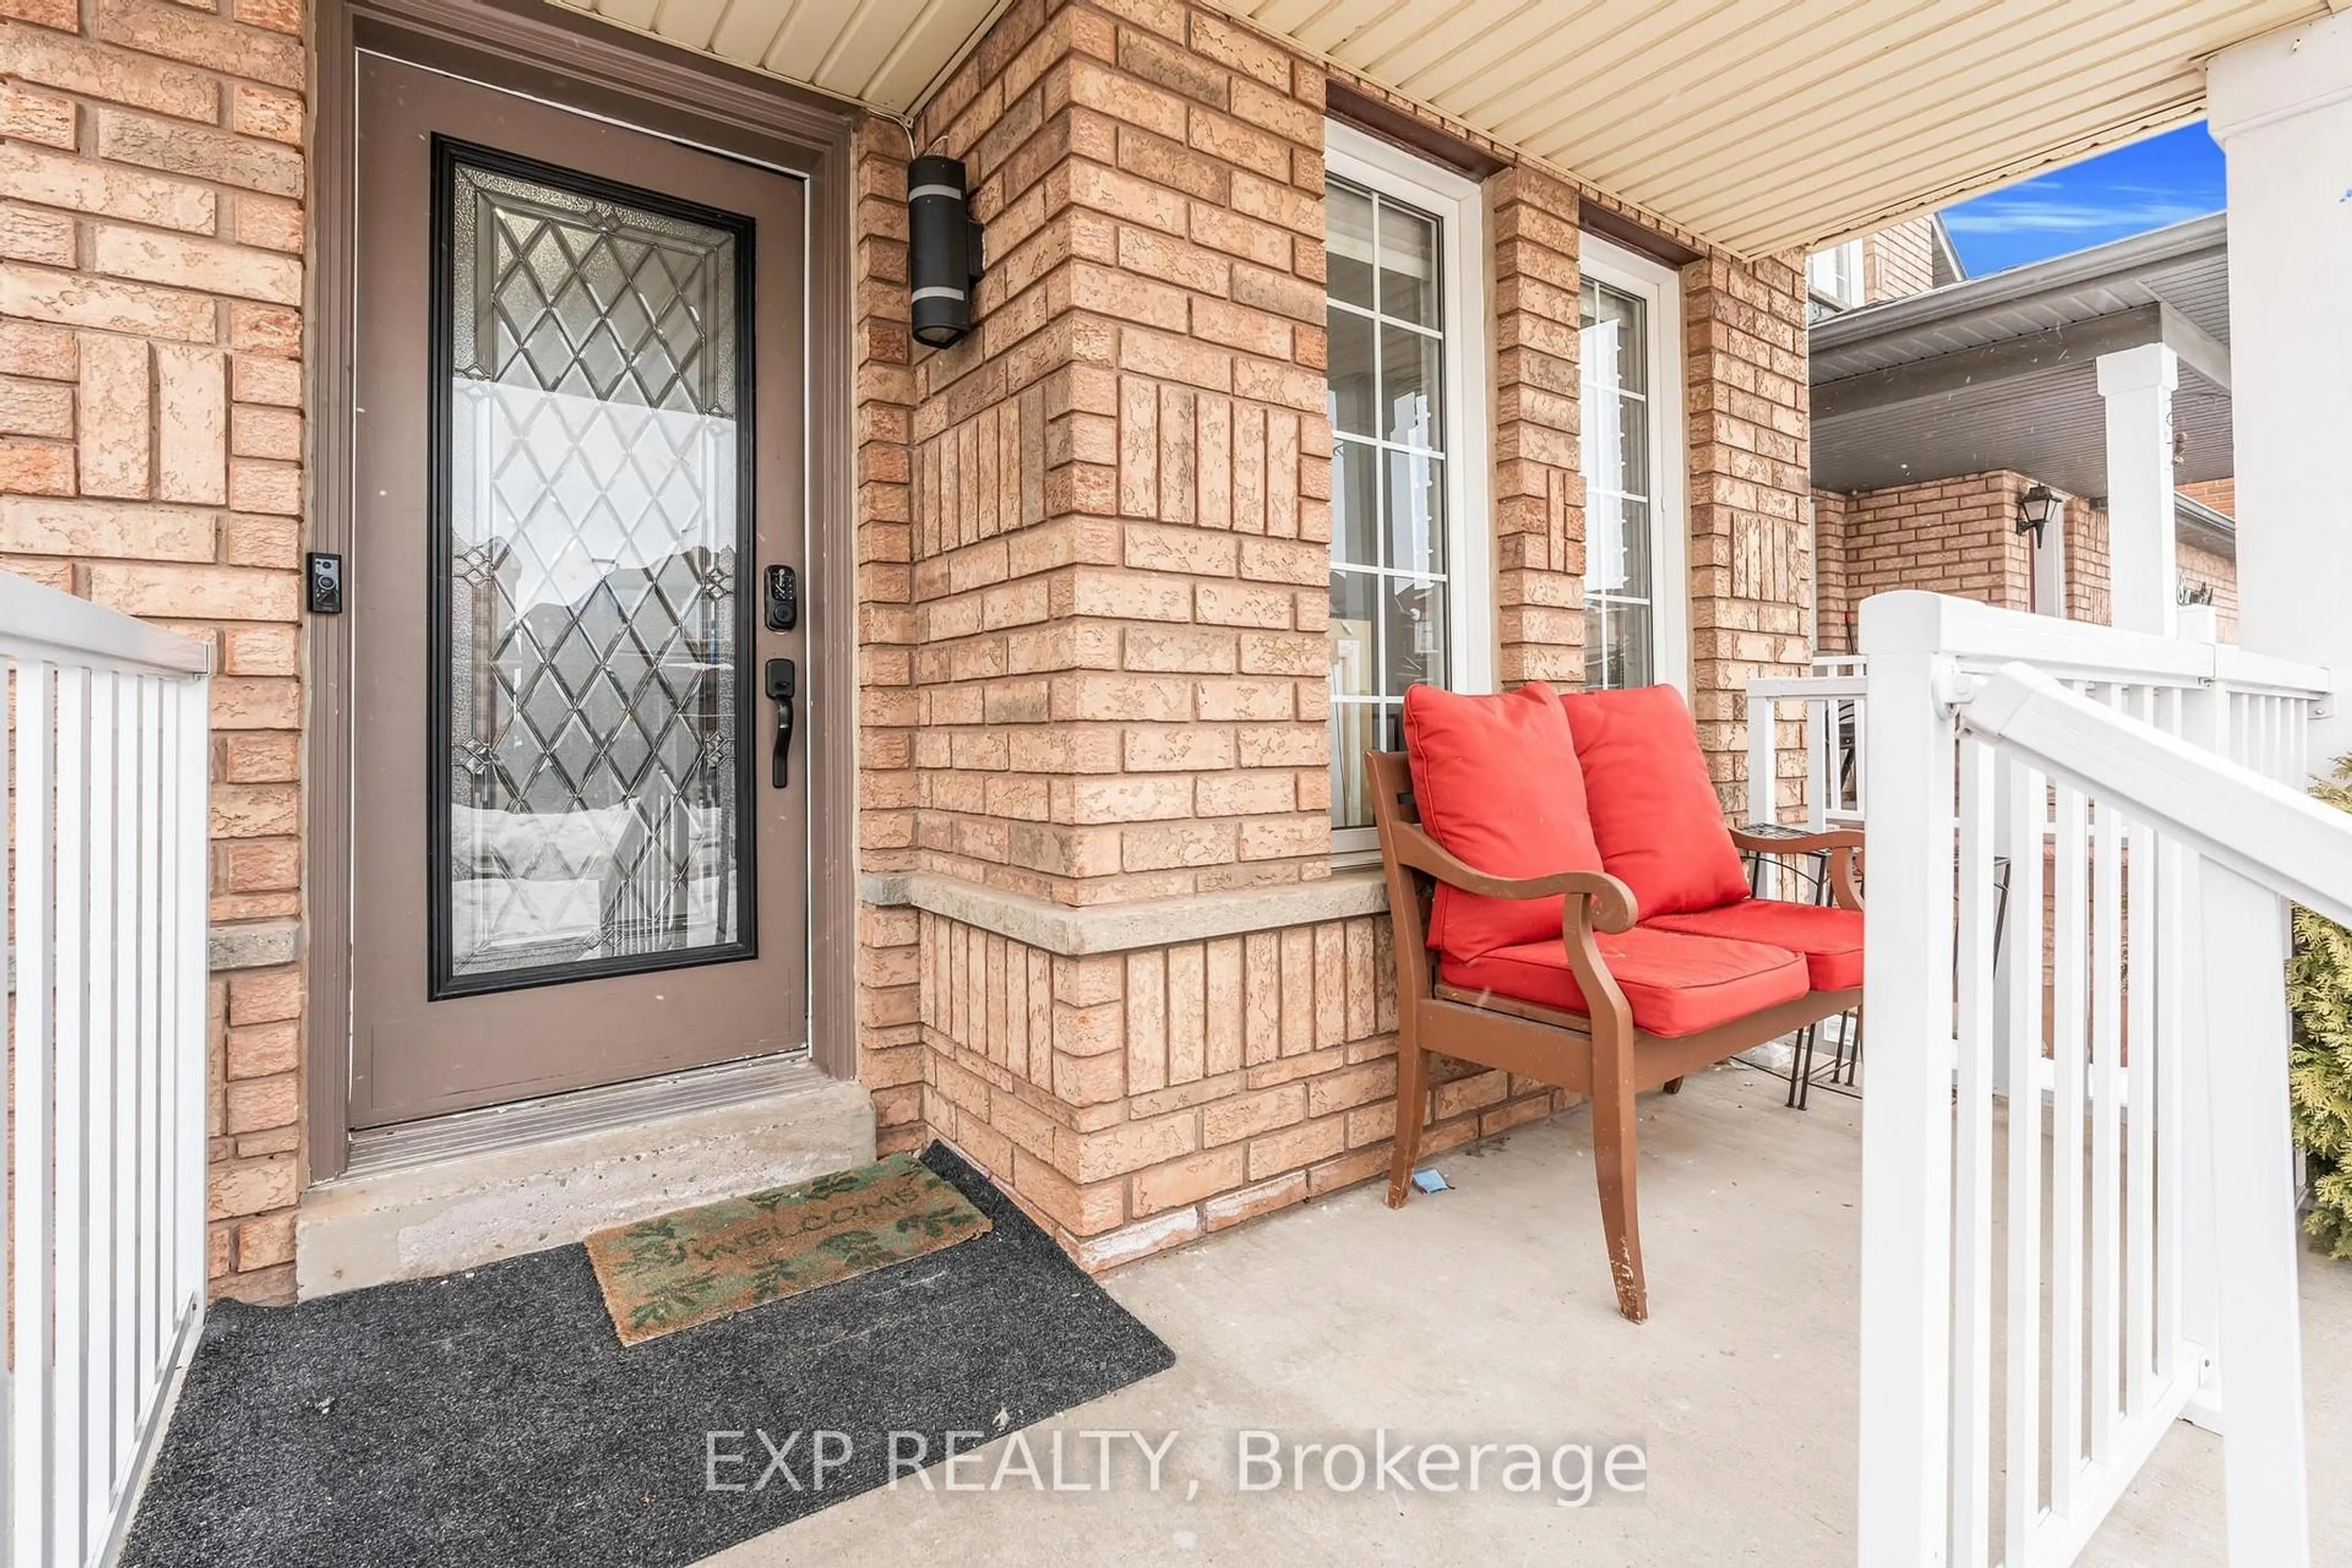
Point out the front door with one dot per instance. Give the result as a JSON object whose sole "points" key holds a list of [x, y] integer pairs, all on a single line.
{"points": [[578, 838]]}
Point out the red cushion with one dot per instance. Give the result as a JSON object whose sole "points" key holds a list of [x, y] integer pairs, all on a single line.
{"points": [[1496, 782], [1675, 985], [1654, 812], [1830, 939]]}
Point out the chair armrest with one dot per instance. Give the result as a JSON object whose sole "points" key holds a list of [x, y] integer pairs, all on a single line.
{"points": [[1610, 902], [1797, 844], [1842, 845]]}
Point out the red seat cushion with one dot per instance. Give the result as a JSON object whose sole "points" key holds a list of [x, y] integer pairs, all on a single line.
{"points": [[1675, 985], [1830, 939], [1497, 783], [1654, 812]]}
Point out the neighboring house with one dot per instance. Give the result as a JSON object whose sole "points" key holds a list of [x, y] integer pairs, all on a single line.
{"points": [[1934, 416], [1285, 388], [1891, 263]]}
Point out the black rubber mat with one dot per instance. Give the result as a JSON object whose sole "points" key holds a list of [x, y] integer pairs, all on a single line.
{"points": [[493, 1419]]}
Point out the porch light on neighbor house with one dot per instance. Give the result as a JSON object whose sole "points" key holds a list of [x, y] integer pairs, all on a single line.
{"points": [[2035, 508]]}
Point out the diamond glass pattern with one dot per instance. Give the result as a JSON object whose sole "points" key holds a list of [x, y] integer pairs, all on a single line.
{"points": [[594, 674]]}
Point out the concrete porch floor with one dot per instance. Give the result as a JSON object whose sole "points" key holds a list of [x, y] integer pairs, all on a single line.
{"points": [[1484, 1314]]}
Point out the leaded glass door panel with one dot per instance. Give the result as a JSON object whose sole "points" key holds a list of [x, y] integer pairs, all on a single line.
{"points": [[580, 448]]}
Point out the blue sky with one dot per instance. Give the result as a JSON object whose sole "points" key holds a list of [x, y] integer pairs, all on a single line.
{"points": [[2164, 180]]}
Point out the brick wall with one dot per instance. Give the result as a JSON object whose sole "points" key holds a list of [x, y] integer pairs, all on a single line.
{"points": [[1750, 505], [890, 955], [1539, 493], [2221, 495], [2087, 581], [1898, 260], [1121, 478], [1832, 623], [1953, 536], [151, 457], [1115, 566]]}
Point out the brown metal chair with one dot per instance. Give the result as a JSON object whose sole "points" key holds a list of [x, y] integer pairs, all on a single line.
{"points": [[1604, 1056]]}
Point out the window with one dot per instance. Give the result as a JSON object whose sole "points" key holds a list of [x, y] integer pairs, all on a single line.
{"points": [[1409, 589], [1634, 586], [1833, 275]]}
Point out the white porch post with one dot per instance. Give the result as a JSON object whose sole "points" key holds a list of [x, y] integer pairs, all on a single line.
{"points": [[2281, 107], [2142, 560]]}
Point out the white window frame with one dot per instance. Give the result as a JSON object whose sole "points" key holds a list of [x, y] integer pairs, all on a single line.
{"points": [[1660, 289], [1459, 205], [1849, 251]]}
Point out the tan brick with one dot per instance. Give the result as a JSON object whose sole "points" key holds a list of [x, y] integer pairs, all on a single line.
{"points": [[178, 33], [261, 650], [280, 16], [267, 222], [256, 703], [253, 1105], [198, 593], [71, 65], [250, 1188], [202, 154], [259, 1050], [263, 1243], [262, 865], [80, 185], [36, 117], [72, 299], [43, 352], [1185, 1181], [255, 811], [265, 486], [192, 414], [39, 526], [256, 432], [1296, 1146], [34, 234], [1131, 1146], [113, 425], [36, 468], [192, 263], [36, 408]]}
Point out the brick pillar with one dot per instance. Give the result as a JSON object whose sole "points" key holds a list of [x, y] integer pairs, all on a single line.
{"points": [[889, 1026], [150, 458], [1121, 478], [1538, 473], [1750, 547], [1832, 625]]}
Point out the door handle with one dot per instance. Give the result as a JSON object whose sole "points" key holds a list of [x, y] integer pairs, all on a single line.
{"points": [[781, 680]]}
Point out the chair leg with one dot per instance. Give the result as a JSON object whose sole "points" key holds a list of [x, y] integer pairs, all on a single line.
{"points": [[1796, 1061], [1612, 1156], [1412, 1107]]}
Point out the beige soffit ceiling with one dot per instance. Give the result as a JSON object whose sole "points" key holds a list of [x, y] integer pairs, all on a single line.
{"points": [[1762, 124], [1767, 125], [886, 54]]}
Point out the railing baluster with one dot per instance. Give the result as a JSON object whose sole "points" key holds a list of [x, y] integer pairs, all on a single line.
{"points": [[2069, 954], [195, 968], [2142, 1112], [2107, 1121], [72, 1004], [1972, 1303], [150, 1052], [30, 1388], [2023, 1006], [97, 1362]]}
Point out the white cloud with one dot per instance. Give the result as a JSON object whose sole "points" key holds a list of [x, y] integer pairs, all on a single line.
{"points": [[2050, 209]]}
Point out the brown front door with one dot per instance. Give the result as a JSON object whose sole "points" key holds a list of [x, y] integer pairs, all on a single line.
{"points": [[579, 438]]}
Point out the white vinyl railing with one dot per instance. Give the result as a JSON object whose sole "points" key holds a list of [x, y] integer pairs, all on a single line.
{"points": [[105, 760], [1828, 732], [2051, 1278]]}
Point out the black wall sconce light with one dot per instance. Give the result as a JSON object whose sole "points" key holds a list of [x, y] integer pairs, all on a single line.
{"points": [[943, 251], [2035, 508]]}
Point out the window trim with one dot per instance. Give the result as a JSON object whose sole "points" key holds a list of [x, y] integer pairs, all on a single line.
{"points": [[1660, 289], [1460, 206]]}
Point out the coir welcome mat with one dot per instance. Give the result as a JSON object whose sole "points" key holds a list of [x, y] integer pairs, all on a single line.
{"points": [[493, 1420], [672, 1272]]}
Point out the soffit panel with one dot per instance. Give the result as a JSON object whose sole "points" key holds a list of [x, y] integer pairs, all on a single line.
{"points": [[1769, 125]]}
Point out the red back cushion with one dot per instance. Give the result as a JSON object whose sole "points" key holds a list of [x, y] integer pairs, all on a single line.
{"points": [[1497, 784], [1654, 811]]}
